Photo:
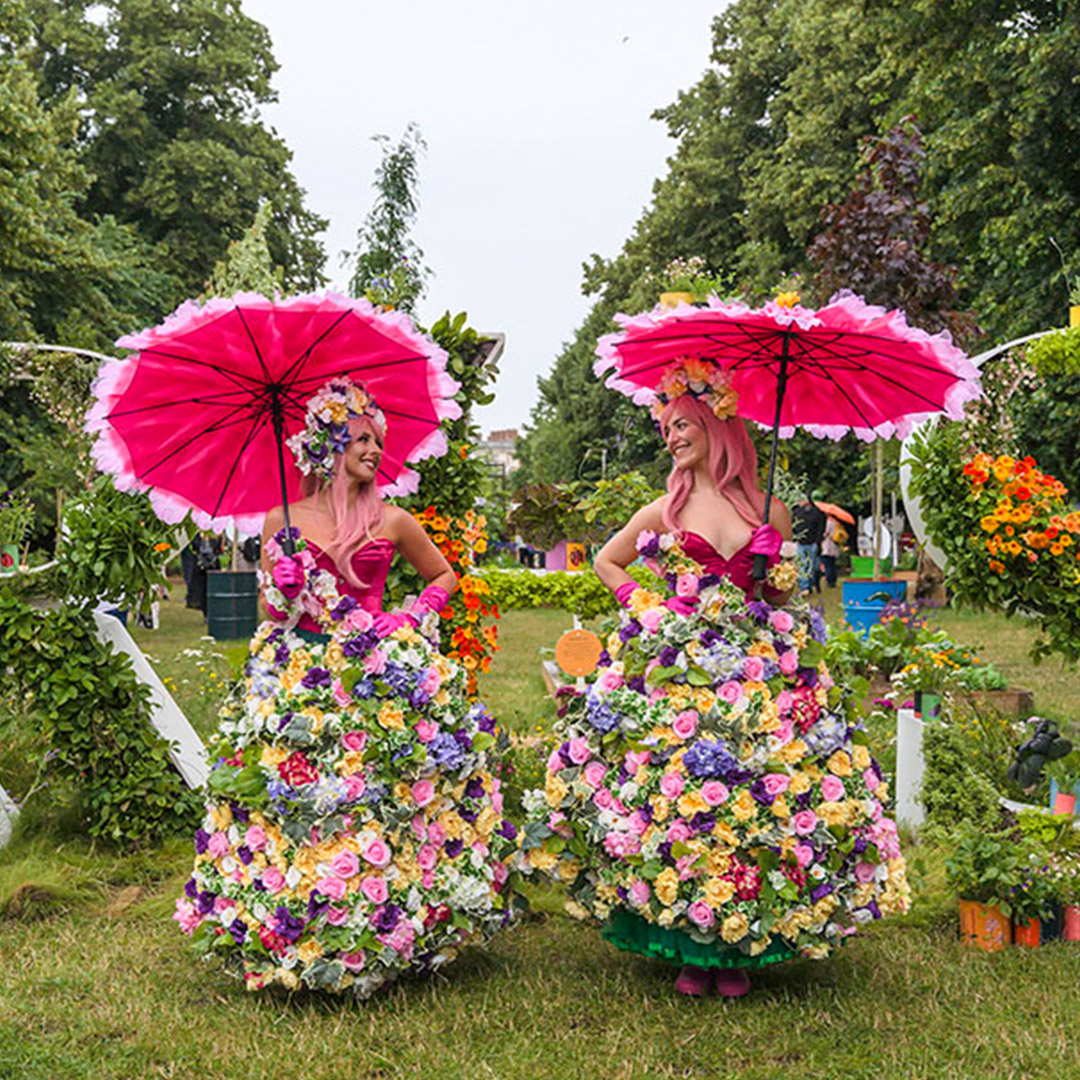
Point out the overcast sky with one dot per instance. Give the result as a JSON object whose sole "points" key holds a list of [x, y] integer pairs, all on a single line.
{"points": [[541, 149]]}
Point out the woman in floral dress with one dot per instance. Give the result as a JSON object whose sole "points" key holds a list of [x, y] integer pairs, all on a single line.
{"points": [[712, 799], [355, 828]]}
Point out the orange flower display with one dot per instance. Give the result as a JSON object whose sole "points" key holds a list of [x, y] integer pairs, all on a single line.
{"points": [[469, 632]]}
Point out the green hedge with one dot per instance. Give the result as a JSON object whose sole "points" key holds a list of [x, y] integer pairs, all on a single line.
{"points": [[580, 592], [95, 723]]}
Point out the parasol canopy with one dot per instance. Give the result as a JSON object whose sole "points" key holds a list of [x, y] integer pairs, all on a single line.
{"points": [[199, 414]]}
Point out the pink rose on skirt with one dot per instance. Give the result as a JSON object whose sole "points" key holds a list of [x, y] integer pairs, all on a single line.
{"points": [[374, 888], [686, 586], [864, 872], [427, 857], [678, 831], [337, 916], [804, 855], [639, 893], [423, 791], [353, 961], [273, 879], [355, 786], [603, 798], [804, 822], [776, 783], [426, 730], [870, 779], [378, 853], [753, 668], [789, 662], [685, 724], [579, 751], [375, 662], [650, 620], [832, 788], [671, 785], [701, 914], [730, 691], [781, 621], [218, 845], [255, 838], [436, 834], [333, 887], [354, 741], [594, 773], [714, 792], [357, 621], [608, 680], [342, 697], [345, 864]]}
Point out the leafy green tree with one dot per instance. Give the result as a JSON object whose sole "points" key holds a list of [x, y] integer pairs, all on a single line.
{"points": [[168, 95], [247, 265], [389, 265]]}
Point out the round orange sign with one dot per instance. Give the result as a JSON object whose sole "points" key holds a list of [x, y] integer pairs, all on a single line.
{"points": [[577, 652]]}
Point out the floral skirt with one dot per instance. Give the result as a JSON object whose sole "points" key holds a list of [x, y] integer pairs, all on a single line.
{"points": [[354, 831], [631, 933]]}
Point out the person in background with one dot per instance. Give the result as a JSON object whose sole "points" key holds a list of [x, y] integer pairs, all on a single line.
{"points": [[835, 537], [808, 529]]}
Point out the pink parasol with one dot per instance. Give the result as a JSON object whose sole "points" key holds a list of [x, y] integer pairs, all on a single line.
{"points": [[848, 366], [199, 414], [845, 367]]}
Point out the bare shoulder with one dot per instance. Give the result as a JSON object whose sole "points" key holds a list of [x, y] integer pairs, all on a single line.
{"points": [[275, 519], [780, 517], [650, 516], [396, 522]]}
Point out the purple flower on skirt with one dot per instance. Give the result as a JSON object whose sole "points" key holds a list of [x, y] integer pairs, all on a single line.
{"points": [[317, 904], [239, 813], [629, 630], [822, 890], [316, 676], [757, 789], [288, 926], [445, 752], [283, 723], [453, 847], [508, 829], [636, 683], [468, 815], [238, 929], [191, 888], [651, 548], [668, 655], [205, 903], [860, 845], [474, 788], [601, 715], [707, 759], [759, 611], [202, 839], [702, 822], [664, 851], [605, 659], [281, 657], [243, 853], [386, 918], [484, 720]]}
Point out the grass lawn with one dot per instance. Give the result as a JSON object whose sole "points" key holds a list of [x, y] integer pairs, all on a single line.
{"points": [[99, 983]]}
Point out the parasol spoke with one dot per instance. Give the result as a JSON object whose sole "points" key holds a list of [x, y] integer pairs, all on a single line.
{"points": [[299, 362], [267, 377], [238, 378], [361, 366], [249, 438], [223, 422], [202, 399]]}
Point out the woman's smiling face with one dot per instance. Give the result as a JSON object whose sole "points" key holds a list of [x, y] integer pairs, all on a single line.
{"points": [[686, 441], [363, 452]]}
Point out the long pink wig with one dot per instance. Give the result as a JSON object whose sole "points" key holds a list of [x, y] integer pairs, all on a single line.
{"points": [[355, 519], [732, 464]]}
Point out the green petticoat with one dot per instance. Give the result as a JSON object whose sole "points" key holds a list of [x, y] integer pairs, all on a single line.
{"points": [[312, 637], [631, 933]]}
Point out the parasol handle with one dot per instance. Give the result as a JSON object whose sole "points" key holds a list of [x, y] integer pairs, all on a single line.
{"points": [[278, 420], [761, 561]]}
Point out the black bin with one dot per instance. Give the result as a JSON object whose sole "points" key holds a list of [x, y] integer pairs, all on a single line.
{"points": [[232, 604]]}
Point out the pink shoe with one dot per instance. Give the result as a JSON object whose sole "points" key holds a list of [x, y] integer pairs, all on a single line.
{"points": [[692, 981], [732, 982]]}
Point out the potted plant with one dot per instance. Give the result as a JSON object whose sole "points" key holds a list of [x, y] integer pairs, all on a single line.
{"points": [[1065, 877], [1030, 901], [16, 514], [1064, 774], [982, 870]]}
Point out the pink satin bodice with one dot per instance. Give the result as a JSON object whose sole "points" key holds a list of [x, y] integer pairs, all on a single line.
{"points": [[736, 569], [371, 564]]}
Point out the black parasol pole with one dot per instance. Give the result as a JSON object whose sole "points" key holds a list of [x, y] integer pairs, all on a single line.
{"points": [[758, 573], [277, 418]]}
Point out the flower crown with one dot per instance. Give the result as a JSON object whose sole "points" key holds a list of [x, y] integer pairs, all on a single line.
{"points": [[709, 382], [326, 425]]}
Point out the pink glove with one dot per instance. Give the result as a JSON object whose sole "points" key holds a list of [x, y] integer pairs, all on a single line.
{"points": [[386, 622], [288, 576], [625, 591], [681, 605], [432, 598], [765, 540]]}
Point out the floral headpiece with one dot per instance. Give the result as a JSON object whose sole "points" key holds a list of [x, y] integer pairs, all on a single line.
{"points": [[709, 382], [326, 425]]}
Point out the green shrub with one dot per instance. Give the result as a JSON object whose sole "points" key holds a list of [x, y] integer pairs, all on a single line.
{"points": [[953, 791], [95, 728], [580, 592]]}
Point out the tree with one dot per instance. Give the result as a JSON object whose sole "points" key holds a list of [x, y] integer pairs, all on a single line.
{"points": [[388, 264], [770, 134], [168, 94], [247, 265]]}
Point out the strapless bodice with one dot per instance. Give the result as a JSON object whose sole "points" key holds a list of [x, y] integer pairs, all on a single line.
{"points": [[736, 569], [370, 563]]}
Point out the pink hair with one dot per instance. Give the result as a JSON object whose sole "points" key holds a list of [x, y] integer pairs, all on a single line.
{"points": [[732, 464], [355, 518]]}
